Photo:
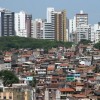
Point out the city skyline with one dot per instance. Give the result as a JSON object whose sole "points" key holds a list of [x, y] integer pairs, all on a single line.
{"points": [[38, 7]]}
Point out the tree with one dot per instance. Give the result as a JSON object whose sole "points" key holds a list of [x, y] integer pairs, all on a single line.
{"points": [[8, 77], [97, 45], [7, 43], [85, 42]]}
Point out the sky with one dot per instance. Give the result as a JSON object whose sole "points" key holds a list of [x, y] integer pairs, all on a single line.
{"points": [[38, 7]]}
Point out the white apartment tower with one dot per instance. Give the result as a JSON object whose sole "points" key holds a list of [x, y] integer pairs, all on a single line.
{"points": [[72, 29], [92, 33], [83, 30], [48, 26], [79, 28], [48, 31], [20, 27], [97, 32], [50, 15], [23, 24]]}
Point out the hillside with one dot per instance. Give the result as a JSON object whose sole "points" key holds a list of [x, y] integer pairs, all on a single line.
{"points": [[7, 43]]}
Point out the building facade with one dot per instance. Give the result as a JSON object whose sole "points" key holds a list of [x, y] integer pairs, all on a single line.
{"points": [[23, 24], [60, 26], [72, 30], [7, 23], [55, 26], [37, 26], [83, 32], [96, 32], [48, 26], [81, 19], [28, 25], [79, 28], [48, 31]]}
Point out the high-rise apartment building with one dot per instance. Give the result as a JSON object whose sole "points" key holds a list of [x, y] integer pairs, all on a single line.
{"points": [[96, 33], [79, 28], [50, 15], [55, 26], [81, 19], [37, 26], [83, 30], [48, 31], [48, 25], [72, 30], [60, 26], [20, 27], [7, 23], [28, 25], [23, 24]]}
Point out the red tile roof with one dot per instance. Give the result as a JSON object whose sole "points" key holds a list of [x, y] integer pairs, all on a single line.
{"points": [[26, 55], [7, 60], [66, 90], [79, 84], [92, 79], [64, 64], [79, 96], [8, 53], [50, 68]]}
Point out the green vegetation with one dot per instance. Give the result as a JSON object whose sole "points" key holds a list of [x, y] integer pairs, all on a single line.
{"points": [[6, 43], [85, 42], [97, 45], [8, 77]]}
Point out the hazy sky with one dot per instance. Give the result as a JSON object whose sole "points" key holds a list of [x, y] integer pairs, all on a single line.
{"points": [[38, 7]]}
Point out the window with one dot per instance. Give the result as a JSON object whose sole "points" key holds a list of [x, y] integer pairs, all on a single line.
{"points": [[4, 97], [10, 97], [63, 97]]}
